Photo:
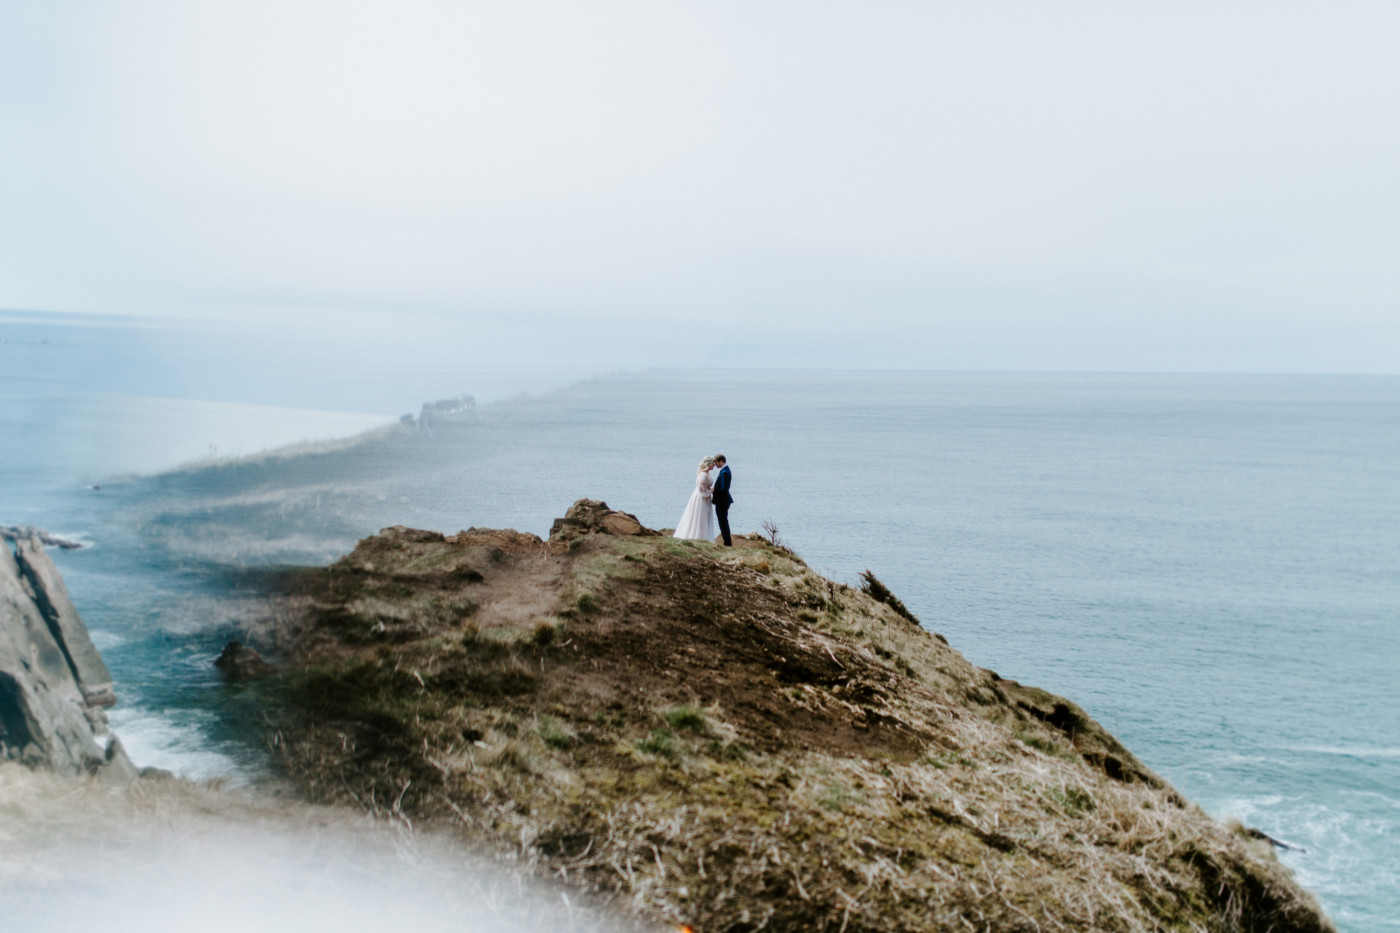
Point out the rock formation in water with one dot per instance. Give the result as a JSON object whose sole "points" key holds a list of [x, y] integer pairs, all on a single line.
{"points": [[22, 532], [722, 739], [53, 683], [238, 662]]}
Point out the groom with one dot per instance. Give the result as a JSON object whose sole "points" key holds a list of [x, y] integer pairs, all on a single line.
{"points": [[722, 499]]}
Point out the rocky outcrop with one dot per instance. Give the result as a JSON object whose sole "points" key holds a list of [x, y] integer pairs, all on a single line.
{"points": [[53, 683], [51, 599], [722, 739], [21, 532], [239, 662], [591, 516]]}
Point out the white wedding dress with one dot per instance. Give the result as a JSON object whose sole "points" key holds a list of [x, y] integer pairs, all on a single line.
{"points": [[698, 521]]}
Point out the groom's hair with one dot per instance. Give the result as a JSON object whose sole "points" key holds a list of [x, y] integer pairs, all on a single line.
{"points": [[719, 458]]}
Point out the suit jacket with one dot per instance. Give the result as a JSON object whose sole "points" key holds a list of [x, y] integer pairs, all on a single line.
{"points": [[720, 495]]}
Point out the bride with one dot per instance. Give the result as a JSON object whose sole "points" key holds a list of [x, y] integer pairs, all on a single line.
{"points": [[698, 521]]}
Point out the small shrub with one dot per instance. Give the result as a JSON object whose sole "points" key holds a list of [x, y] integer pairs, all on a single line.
{"points": [[586, 603], [544, 635], [770, 532], [686, 718], [872, 587]]}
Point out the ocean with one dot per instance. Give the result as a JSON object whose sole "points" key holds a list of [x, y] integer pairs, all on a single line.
{"points": [[1209, 564]]}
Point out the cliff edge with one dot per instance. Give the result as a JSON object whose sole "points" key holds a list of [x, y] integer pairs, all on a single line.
{"points": [[722, 739], [54, 685]]}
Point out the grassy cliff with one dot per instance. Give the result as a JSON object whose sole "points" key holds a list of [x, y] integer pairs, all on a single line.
{"points": [[722, 738]]}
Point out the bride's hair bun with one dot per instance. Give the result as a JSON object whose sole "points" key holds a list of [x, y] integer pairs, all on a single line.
{"points": [[705, 464]]}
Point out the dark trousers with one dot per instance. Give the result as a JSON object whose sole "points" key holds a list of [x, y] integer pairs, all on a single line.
{"points": [[722, 513]]}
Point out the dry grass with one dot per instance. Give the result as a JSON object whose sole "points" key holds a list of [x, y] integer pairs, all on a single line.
{"points": [[726, 739]]}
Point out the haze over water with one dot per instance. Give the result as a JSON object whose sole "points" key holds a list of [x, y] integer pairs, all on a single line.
{"points": [[1207, 564]]}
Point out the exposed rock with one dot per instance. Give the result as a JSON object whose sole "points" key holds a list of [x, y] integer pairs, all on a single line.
{"points": [[116, 765], [52, 681], [239, 662], [415, 535], [590, 517], [51, 597], [21, 532], [620, 523]]}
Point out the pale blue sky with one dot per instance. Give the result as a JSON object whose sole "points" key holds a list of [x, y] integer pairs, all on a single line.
{"points": [[990, 185]]}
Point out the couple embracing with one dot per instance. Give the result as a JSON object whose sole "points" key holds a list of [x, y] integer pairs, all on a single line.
{"points": [[709, 501]]}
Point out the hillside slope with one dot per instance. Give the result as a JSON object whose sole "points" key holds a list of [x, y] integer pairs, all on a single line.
{"points": [[722, 738]]}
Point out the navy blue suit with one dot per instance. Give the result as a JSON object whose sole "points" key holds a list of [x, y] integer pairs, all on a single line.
{"points": [[723, 500]]}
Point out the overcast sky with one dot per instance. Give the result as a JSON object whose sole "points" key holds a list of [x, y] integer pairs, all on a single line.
{"points": [[1117, 186]]}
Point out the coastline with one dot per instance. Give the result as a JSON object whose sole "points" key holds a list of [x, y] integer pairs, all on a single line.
{"points": [[721, 738], [1167, 587]]}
